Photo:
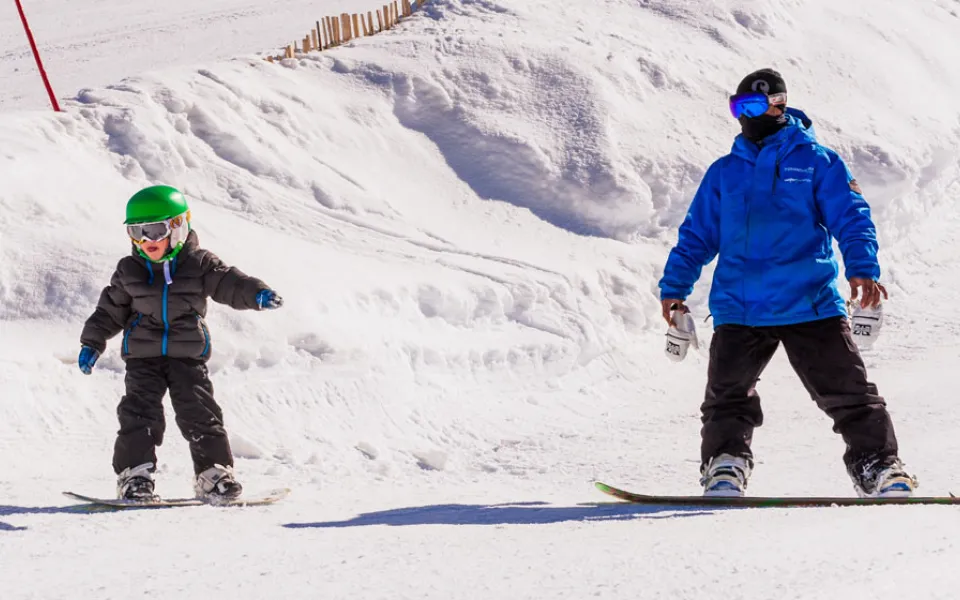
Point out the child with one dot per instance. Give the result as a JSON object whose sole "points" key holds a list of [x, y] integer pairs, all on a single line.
{"points": [[158, 298]]}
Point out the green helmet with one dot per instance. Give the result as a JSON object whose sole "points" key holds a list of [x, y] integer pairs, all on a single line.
{"points": [[161, 203], [155, 203]]}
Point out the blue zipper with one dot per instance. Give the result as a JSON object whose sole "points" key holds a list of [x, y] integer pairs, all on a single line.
{"points": [[748, 202], [126, 336], [172, 266], [206, 336], [166, 324]]}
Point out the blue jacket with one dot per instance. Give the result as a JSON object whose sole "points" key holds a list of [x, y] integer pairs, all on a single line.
{"points": [[770, 213]]}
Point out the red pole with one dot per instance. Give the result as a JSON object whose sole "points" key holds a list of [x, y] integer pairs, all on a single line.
{"points": [[36, 55]]}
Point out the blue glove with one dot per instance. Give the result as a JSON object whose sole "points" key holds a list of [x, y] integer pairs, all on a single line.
{"points": [[268, 299], [88, 358]]}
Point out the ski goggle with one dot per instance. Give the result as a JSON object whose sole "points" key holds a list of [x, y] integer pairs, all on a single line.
{"points": [[754, 104], [154, 232]]}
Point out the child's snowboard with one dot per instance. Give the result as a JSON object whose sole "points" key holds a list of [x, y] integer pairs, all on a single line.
{"points": [[258, 500]]}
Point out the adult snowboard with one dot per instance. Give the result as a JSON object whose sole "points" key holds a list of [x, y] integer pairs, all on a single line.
{"points": [[766, 502]]}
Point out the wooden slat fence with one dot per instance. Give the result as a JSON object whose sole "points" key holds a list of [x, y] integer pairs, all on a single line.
{"points": [[332, 31]]}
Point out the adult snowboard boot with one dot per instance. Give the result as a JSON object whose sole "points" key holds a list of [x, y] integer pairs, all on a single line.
{"points": [[726, 475], [882, 478]]}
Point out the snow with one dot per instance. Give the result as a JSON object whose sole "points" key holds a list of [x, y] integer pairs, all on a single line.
{"points": [[467, 217], [98, 42]]}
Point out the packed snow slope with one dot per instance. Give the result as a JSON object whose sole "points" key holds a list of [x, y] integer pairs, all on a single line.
{"points": [[98, 42], [467, 217]]}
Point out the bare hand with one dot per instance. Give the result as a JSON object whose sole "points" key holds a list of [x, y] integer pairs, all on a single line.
{"points": [[868, 290], [669, 304]]}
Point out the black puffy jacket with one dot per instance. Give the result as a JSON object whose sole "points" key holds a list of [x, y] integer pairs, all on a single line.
{"points": [[160, 306]]}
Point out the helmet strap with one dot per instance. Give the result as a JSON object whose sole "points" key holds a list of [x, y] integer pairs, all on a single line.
{"points": [[170, 255]]}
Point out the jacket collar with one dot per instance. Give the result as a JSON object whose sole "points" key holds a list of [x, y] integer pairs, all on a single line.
{"points": [[799, 130]]}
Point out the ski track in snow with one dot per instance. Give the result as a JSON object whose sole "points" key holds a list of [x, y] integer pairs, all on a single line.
{"points": [[467, 218]]}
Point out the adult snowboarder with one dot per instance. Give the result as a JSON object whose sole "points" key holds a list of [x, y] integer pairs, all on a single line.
{"points": [[769, 210], [158, 298]]}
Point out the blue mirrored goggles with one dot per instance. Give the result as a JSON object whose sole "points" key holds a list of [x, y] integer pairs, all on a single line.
{"points": [[754, 104]]}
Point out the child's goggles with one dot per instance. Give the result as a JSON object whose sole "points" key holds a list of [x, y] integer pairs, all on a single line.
{"points": [[153, 232], [754, 104]]}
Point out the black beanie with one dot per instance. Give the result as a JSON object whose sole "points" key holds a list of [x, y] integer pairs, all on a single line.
{"points": [[766, 81]]}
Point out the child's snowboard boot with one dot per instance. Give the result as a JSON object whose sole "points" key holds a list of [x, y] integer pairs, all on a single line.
{"points": [[136, 483], [217, 484]]}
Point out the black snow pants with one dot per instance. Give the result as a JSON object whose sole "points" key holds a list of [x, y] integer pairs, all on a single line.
{"points": [[826, 359], [141, 413]]}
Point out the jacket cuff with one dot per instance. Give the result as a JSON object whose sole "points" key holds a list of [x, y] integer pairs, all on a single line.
{"points": [[673, 293], [100, 347], [871, 273]]}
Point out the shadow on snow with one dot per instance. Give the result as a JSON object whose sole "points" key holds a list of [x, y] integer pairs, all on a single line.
{"points": [[523, 513], [77, 509]]}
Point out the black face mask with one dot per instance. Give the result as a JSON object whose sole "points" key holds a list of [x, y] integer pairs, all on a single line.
{"points": [[757, 128]]}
